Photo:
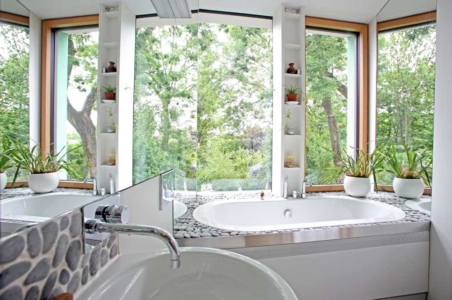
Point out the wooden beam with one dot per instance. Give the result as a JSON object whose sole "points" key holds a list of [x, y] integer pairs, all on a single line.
{"points": [[14, 19], [46, 68], [62, 184], [407, 21]]}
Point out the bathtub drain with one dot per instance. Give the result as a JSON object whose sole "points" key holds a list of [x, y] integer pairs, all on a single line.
{"points": [[288, 213]]}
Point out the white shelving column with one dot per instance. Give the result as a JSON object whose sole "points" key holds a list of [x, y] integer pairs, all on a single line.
{"points": [[288, 47], [117, 44]]}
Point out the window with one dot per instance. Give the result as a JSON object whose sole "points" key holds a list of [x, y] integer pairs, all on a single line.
{"points": [[203, 103], [331, 110], [14, 100], [406, 86], [75, 95]]}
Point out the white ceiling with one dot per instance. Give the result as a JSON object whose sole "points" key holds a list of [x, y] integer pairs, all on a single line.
{"points": [[361, 11], [402, 8], [14, 7]]}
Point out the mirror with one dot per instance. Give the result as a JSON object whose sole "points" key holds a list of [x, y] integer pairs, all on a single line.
{"points": [[406, 83]]}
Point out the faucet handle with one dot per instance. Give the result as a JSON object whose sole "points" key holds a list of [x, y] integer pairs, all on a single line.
{"points": [[308, 181], [113, 214]]}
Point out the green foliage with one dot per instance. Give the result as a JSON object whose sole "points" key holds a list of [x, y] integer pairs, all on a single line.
{"points": [[293, 89], [36, 161], [410, 166], [6, 162], [109, 88]]}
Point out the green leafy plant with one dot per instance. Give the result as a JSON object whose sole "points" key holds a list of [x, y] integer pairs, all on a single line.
{"points": [[410, 167], [293, 89], [36, 161], [109, 88], [363, 166], [6, 162]]}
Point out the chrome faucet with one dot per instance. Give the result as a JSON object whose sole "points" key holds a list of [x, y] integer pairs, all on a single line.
{"points": [[95, 191], [303, 187], [112, 218]]}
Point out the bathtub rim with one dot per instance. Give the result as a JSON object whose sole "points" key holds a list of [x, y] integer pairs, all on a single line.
{"points": [[358, 222]]}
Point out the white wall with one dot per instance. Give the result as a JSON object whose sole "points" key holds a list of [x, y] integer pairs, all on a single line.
{"points": [[441, 236], [35, 78]]}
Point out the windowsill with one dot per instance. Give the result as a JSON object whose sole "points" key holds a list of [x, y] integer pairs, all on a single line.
{"points": [[340, 188], [62, 184]]}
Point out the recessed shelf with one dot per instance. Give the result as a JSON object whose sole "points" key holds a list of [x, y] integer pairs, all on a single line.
{"points": [[290, 104], [111, 74], [294, 168], [108, 166], [293, 46], [110, 45], [292, 75], [108, 133], [112, 14], [292, 16], [107, 103], [293, 135]]}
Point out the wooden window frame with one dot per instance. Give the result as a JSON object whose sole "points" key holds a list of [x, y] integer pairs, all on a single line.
{"points": [[363, 84], [46, 81], [399, 24], [14, 19]]}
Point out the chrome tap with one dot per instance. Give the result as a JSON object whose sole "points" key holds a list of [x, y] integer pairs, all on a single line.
{"points": [[303, 187], [109, 219], [95, 191]]}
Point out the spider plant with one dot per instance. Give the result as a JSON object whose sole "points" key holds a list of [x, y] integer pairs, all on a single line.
{"points": [[36, 161], [6, 162], [363, 166], [109, 88], [293, 89], [410, 167]]}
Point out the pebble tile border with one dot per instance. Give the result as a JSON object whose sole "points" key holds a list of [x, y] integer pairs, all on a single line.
{"points": [[24, 191], [47, 260], [186, 227]]}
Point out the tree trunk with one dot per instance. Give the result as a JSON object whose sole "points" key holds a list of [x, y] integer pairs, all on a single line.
{"points": [[165, 123], [334, 130]]}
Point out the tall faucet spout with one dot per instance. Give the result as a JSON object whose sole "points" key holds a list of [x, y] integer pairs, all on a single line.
{"points": [[153, 231]]}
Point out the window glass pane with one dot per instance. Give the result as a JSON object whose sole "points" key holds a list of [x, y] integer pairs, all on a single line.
{"points": [[75, 96], [166, 60], [331, 107], [235, 108], [406, 87], [14, 101]]}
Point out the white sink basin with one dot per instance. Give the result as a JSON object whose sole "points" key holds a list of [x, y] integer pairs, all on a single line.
{"points": [[39, 208], [179, 209], [205, 274], [424, 206]]}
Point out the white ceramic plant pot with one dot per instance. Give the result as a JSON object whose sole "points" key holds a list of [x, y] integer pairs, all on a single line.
{"points": [[3, 180], [357, 186], [408, 188], [43, 183]]}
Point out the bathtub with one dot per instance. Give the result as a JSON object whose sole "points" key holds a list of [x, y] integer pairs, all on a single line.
{"points": [[268, 215]]}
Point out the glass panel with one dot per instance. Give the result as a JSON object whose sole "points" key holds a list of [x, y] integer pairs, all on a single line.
{"points": [[75, 97], [14, 100], [235, 108], [406, 90], [331, 63], [165, 125]]}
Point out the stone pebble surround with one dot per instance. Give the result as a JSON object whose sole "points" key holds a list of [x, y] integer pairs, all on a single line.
{"points": [[47, 259], [25, 191], [186, 227]]}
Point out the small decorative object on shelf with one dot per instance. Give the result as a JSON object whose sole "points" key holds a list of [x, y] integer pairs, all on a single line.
{"points": [[288, 115], [111, 159], [299, 71], [113, 126], [109, 91], [289, 162], [111, 67], [292, 93], [290, 131], [291, 69], [111, 9]]}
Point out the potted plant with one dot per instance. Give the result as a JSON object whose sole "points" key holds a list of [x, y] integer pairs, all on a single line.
{"points": [[5, 161], [292, 93], [113, 126], [43, 166], [109, 91], [410, 173], [287, 129], [358, 170]]}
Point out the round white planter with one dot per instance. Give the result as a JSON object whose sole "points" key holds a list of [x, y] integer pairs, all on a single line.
{"points": [[43, 183], [408, 188], [3, 180], [357, 186]]}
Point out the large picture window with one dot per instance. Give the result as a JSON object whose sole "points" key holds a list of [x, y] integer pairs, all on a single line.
{"points": [[203, 105], [406, 90]]}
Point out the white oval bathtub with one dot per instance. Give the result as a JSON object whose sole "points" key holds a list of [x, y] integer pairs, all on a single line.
{"points": [[258, 215]]}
